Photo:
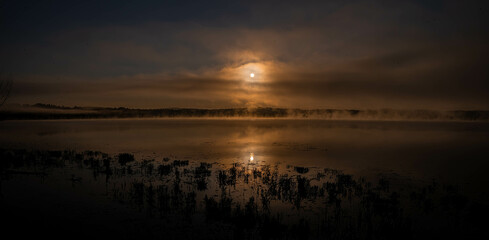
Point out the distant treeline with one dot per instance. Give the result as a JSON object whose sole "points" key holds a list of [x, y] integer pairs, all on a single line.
{"points": [[49, 111]]}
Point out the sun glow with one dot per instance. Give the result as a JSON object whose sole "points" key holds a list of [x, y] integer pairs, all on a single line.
{"points": [[252, 72], [249, 72], [251, 156]]}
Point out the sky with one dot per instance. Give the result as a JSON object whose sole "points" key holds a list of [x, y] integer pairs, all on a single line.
{"points": [[200, 54]]}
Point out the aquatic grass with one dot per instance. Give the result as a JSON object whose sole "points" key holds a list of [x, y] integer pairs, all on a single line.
{"points": [[259, 201], [125, 158]]}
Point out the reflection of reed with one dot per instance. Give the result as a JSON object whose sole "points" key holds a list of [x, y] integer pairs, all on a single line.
{"points": [[260, 199]]}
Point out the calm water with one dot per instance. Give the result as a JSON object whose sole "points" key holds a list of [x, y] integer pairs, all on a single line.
{"points": [[304, 154], [447, 150]]}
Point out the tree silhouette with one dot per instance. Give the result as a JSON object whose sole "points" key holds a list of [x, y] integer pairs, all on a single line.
{"points": [[5, 87]]}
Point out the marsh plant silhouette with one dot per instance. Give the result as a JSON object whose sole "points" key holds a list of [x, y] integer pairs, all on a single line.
{"points": [[242, 201]]}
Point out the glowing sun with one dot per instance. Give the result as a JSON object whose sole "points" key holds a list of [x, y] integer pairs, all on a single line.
{"points": [[252, 75]]}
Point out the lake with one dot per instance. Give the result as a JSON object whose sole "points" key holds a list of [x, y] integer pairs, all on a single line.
{"points": [[289, 178]]}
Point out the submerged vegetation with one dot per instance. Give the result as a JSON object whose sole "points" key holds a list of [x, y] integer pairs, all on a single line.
{"points": [[259, 201]]}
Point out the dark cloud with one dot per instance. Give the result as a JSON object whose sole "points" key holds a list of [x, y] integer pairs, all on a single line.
{"points": [[352, 54]]}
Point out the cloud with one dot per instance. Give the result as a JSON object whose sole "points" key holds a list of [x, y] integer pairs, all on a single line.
{"points": [[352, 54], [421, 78]]}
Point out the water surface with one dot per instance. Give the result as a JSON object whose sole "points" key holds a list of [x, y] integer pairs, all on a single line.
{"points": [[447, 150], [299, 170]]}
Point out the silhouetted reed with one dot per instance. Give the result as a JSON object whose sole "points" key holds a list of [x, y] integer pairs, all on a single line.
{"points": [[125, 158], [263, 202]]}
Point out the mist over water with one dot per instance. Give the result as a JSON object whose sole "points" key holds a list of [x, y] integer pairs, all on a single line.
{"points": [[49, 111]]}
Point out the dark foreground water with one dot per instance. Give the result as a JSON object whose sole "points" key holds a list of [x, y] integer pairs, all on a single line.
{"points": [[196, 179]]}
